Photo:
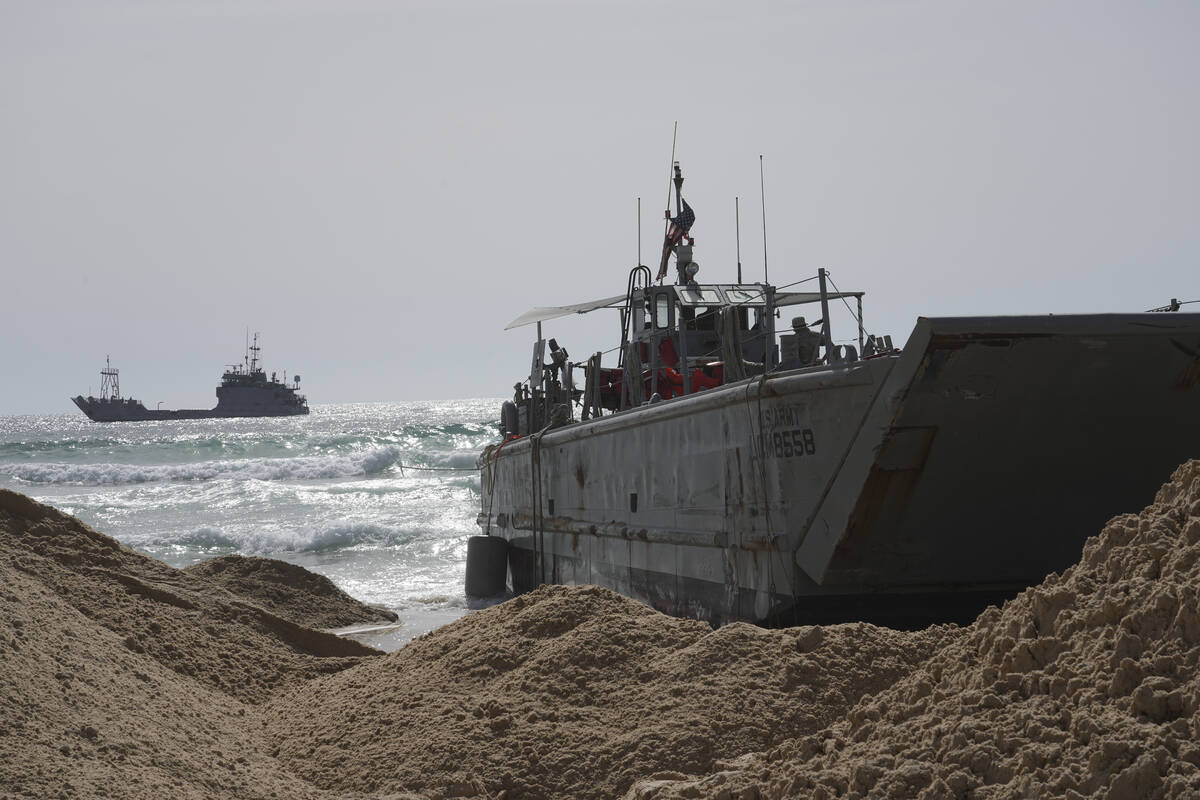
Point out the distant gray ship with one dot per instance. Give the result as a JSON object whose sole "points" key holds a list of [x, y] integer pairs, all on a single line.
{"points": [[245, 391]]}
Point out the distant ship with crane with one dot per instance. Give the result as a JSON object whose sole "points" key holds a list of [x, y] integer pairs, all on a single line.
{"points": [[245, 391]]}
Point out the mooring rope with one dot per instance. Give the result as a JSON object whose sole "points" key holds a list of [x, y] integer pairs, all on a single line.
{"points": [[435, 469]]}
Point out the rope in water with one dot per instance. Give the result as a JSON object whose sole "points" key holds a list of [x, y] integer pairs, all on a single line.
{"points": [[404, 466]]}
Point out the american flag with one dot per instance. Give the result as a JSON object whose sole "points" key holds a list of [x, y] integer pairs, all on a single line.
{"points": [[676, 231]]}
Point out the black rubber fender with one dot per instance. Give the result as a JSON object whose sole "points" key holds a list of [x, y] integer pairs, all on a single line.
{"points": [[509, 419], [487, 566]]}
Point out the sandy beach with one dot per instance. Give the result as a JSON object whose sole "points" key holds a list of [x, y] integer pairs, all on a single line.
{"points": [[122, 677]]}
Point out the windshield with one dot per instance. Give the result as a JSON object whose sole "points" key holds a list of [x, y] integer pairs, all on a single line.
{"points": [[743, 294], [695, 296]]}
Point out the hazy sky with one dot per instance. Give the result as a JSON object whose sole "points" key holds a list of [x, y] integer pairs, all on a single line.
{"points": [[380, 187]]}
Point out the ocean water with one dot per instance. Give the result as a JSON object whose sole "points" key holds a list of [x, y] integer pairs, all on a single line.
{"points": [[379, 497]]}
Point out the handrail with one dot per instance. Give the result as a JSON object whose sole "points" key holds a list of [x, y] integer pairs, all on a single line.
{"points": [[642, 272]]}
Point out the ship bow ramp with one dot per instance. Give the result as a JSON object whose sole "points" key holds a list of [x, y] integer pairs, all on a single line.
{"points": [[998, 445]]}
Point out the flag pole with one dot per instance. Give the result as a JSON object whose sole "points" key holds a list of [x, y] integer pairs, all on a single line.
{"points": [[667, 216], [671, 171]]}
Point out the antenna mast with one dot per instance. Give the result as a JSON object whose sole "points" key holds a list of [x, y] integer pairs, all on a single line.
{"points": [[254, 351], [110, 386]]}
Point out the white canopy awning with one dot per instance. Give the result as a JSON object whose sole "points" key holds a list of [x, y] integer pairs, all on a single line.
{"points": [[543, 313], [799, 298]]}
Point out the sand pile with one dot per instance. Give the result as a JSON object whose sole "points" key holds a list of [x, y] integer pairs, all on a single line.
{"points": [[122, 677], [1084, 686], [84, 716], [289, 591], [575, 693], [185, 622]]}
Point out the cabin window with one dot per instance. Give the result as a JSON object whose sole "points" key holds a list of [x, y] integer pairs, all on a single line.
{"points": [[700, 319], [662, 306], [760, 322]]}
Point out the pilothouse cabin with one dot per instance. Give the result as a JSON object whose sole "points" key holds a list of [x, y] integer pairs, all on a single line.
{"points": [[677, 339]]}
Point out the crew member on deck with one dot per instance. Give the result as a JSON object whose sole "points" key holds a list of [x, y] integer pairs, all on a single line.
{"points": [[808, 341]]}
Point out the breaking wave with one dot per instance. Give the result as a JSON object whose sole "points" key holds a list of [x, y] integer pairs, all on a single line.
{"points": [[369, 462], [265, 541]]}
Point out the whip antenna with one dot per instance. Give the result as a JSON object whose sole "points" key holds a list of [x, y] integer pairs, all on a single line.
{"points": [[763, 190], [737, 234]]}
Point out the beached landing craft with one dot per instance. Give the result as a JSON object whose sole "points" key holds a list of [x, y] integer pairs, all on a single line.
{"points": [[245, 391], [722, 472]]}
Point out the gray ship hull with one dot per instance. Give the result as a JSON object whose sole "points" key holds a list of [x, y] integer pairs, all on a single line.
{"points": [[901, 489], [100, 409]]}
